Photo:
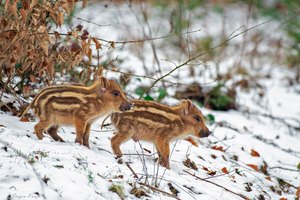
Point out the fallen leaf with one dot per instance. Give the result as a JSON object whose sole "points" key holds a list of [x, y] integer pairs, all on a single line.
{"points": [[211, 172], [268, 178], [298, 193], [224, 170], [190, 164], [173, 189], [255, 167], [218, 148], [205, 168], [283, 198], [254, 153], [24, 119], [192, 141]]}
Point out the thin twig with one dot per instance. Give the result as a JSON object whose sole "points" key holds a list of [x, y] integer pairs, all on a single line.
{"points": [[134, 174], [90, 22], [228, 190], [229, 38], [158, 190], [279, 119], [283, 168], [131, 41]]}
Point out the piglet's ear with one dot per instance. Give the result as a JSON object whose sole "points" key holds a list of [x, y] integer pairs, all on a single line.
{"points": [[188, 107], [104, 83]]}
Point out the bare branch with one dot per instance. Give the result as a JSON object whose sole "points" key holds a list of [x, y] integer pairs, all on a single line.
{"points": [[230, 37], [228, 190]]}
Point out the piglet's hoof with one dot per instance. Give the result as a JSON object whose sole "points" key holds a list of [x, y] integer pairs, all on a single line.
{"points": [[120, 160]]}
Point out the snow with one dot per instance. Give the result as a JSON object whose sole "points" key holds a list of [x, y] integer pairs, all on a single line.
{"points": [[45, 169]]}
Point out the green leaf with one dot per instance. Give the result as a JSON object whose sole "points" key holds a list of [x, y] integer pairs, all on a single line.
{"points": [[148, 98], [139, 91], [18, 65], [210, 118], [298, 166], [162, 93]]}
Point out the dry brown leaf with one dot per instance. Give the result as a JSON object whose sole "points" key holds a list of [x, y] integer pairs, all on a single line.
{"points": [[283, 198], [254, 153], [298, 193], [42, 29], [13, 9], [192, 141], [255, 167], [268, 178], [204, 168], [66, 7], [112, 44], [24, 119], [23, 14], [6, 6], [224, 170], [190, 164], [57, 35], [53, 16], [61, 19], [33, 3], [97, 43], [89, 54], [44, 46], [211, 172], [218, 148]]}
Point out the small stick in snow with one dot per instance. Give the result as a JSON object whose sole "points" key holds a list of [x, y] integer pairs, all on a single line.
{"points": [[134, 174], [228, 190], [158, 190]]}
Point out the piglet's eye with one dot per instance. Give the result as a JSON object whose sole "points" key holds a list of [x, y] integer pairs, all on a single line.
{"points": [[197, 118], [116, 93]]}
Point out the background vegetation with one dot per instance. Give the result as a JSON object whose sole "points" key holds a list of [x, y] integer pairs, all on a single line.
{"points": [[33, 53]]}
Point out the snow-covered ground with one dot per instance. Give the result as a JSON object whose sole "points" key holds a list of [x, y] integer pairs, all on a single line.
{"points": [[254, 152]]}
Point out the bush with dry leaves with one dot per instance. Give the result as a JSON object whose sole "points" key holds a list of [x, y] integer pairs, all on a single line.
{"points": [[30, 51]]}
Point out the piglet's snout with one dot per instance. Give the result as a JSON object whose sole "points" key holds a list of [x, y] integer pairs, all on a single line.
{"points": [[205, 133], [125, 106]]}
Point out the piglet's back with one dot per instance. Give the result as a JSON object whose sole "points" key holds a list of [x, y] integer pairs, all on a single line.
{"points": [[146, 116], [63, 100]]}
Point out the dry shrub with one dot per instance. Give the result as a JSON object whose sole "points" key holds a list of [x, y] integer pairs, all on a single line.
{"points": [[30, 51]]}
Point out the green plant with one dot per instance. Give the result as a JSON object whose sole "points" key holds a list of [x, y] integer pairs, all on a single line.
{"points": [[118, 189], [210, 119], [219, 99], [286, 11], [31, 160], [161, 93], [90, 177]]}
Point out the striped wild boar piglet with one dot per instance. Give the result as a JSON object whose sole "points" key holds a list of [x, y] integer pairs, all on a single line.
{"points": [[157, 123], [76, 105]]}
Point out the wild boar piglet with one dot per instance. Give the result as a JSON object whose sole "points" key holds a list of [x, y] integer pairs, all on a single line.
{"points": [[157, 123], [76, 105]]}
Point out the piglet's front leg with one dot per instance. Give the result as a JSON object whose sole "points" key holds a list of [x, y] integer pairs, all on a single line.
{"points": [[163, 149]]}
